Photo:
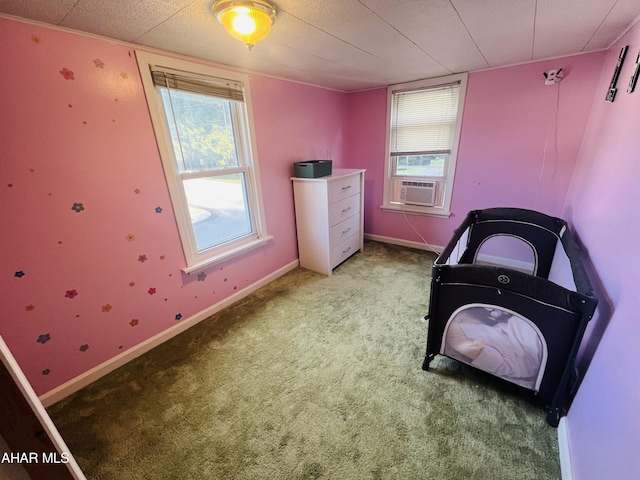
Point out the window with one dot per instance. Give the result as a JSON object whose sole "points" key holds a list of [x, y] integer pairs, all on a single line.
{"points": [[202, 120], [423, 125]]}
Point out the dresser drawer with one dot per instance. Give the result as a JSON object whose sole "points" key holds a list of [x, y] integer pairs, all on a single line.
{"points": [[343, 187], [344, 250], [344, 230], [343, 209]]}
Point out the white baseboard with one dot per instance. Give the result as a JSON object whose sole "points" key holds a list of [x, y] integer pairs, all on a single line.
{"points": [[483, 259], [404, 243], [90, 376], [564, 450]]}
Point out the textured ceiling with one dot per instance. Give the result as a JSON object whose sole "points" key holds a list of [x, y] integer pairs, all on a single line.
{"points": [[355, 44]]}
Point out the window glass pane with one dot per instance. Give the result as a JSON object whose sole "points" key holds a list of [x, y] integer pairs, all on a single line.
{"points": [[421, 165], [201, 130], [219, 209]]}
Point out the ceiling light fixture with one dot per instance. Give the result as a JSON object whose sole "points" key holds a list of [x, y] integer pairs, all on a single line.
{"points": [[246, 20]]}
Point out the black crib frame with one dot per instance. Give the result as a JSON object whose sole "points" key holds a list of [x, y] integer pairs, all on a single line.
{"points": [[561, 313]]}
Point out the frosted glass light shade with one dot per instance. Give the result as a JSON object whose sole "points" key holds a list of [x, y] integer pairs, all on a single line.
{"points": [[248, 21]]}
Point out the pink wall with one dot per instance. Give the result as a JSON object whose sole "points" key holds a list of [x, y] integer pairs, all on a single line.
{"points": [[604, 420], [91, 258], [364, 148], [294, 122], [509, 117]]}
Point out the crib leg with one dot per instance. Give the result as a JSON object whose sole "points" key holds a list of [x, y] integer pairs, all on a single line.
{"points": [[553, 417], [426, 362], [428, 356]]}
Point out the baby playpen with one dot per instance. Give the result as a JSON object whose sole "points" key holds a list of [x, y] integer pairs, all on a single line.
{"points": [[511, 297]]}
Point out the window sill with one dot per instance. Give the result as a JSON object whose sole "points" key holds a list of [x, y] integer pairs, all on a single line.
{"points": [[415, 210], [227, 254]]}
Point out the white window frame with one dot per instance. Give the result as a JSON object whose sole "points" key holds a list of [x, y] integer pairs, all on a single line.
{"points": [[444, 185], [246, 146]]}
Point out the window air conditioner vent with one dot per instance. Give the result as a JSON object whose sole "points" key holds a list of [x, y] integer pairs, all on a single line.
{"points": [[418, 193]]}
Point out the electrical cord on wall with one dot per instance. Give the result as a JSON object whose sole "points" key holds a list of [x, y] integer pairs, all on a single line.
{"points": [[552, 127], [429, 246], [424, 318]]}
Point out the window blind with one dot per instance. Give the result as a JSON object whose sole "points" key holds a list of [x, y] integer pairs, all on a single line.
{"points": [[202, 84], [423, 121]]}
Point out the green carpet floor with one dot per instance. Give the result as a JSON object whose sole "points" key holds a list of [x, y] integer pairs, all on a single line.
{"points": [[310, 377]]}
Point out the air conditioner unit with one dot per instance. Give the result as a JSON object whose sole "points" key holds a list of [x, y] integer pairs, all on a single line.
{"points": [[418, 193]]}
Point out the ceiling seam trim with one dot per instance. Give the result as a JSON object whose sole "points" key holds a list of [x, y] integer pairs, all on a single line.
{"points": [[469, 33], [404, 36], [533, 37], [329, 33], [598, 27], [69, 11], [183, 8]]}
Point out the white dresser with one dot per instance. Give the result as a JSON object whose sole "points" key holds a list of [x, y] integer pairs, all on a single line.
{"points": [[329, 218]]}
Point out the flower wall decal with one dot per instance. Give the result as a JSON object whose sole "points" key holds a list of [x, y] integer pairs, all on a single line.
{"points": [[64, 170], [67, 74]]}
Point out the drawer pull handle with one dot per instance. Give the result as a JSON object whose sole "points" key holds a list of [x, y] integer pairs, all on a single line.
{"points": [[345, 251], [346, 231], [346, 188], [346, 210]]}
